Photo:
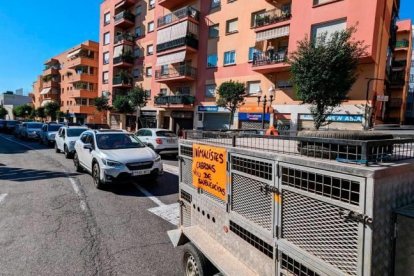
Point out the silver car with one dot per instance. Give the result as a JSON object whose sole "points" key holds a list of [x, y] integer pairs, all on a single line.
{"points": [[30, 130], [48, 133]]}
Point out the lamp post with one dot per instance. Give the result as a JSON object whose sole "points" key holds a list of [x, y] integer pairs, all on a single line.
{"points": [[265, 101], [366, 126]]}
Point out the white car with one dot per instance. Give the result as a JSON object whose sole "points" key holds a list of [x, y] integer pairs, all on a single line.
{"points": [[66, 138], [111, 155], [162, 141]]}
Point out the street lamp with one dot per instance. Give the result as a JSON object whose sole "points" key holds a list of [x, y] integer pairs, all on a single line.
{"points": [[367, 98], [265, 101]]}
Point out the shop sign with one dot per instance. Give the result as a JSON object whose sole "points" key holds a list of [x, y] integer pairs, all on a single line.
{"points": [[211, 108], [335, 118], [210, 169], [254, 117]]}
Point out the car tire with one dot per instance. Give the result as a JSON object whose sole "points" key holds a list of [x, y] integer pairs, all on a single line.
{"points": [[194, 262], [96, 172], [76, 163], [68, 155], [57, 150]]}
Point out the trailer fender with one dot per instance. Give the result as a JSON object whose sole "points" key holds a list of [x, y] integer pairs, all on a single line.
{"points": [[177, 237]]}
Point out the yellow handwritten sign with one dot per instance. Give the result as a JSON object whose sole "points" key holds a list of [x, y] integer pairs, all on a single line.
{"points": [[209, 169]]}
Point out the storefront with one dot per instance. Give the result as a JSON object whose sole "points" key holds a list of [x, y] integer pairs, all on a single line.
{"points": [[213, 118], [182, 120], [254, 120], [282, 121], [148, 119], [337, 121]]}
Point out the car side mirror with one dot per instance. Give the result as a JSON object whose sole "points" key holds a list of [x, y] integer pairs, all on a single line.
{"points": [[88, 146]]}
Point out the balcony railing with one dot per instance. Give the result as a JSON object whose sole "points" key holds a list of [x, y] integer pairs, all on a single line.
{"points": [[261, 59], [122, 37], [167, 100], [175, 72], [124, 15], [117, 80], [402, 44], [126, 59], [272, 16], [184, 41], [177, 15]]}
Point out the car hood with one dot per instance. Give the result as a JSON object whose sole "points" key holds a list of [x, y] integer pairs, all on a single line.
{"points": [[72, 139], [129, 155], [37, 130]]}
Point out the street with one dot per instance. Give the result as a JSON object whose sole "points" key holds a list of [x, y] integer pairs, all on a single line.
{"points": [[53, 221]]}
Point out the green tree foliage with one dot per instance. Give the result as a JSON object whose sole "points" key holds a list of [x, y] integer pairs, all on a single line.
{"points": [[51, 108], [40, 112], [22, 111], [102, 104], [3, 112], [138, 98], [123, 105], [231, 96], [324, 70]]}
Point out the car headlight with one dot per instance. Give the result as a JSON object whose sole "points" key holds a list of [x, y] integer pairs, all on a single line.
{"points": [[158, 158], [111, 163]]}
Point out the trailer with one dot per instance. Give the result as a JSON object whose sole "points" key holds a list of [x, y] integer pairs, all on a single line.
{"points": [[294, 205]]}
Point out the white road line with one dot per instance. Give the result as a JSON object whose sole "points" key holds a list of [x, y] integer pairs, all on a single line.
{"points": [[149, 195], [171, 169], [2, 197], [170, 213]]}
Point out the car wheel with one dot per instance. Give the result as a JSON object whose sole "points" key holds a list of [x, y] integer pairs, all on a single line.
{"points": [[96, 172], [57, 150], [76, 163], [194, 262], [68, 155]]}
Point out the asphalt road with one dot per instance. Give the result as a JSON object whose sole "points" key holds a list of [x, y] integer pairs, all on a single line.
{"points": [[53, 221]]}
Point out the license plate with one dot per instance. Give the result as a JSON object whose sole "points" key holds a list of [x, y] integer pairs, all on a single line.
{"points": [[143, 172], [171, 141]]}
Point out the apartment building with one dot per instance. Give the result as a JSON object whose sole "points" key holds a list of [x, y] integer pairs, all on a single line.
{"points": [[410, 96], [399, 75], [180, 51], [71, 79]]}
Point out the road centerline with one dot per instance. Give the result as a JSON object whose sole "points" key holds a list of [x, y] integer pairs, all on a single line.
{"points": [[2, 197]]}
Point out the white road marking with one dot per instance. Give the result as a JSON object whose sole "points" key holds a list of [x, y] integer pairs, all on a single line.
{"points": [[149, 195], [2, 197], [171, 169], [170, 213]]}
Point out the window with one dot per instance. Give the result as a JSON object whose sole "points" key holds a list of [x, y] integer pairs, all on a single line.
{"points": [[150, 50], [150, 26], [106, 58], [138, 10], [107, 18], [151, 4], [231, 26], [91, 102], [252, 52], [320, 2], [328, 29], [215, 4], [147, 93], [135, 73], [255, 17], [229, 57], [184, 90], [148, 71], [137, 52], [213, 31], [107, 38], [105, 77], [138, 32], [253, 87], [164, 70], [163, 91], [212, 60], [210, 91]]}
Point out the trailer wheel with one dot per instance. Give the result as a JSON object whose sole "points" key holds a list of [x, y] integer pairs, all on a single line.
{"points": [[194, 262]]}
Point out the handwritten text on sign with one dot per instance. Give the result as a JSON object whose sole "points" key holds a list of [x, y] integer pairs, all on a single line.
{"points": [[209, 169]]}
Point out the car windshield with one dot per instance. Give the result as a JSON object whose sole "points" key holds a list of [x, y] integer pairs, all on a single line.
{"points": [[118, 141], [165, 133], [34, 125], [74, 132], [54, 127]]}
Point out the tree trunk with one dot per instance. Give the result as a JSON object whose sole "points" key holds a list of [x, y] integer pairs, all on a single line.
{"points": [[137, 120], [231, 118]]}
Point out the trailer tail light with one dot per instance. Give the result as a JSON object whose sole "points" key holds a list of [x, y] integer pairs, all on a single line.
{"points": [[158, 141]]}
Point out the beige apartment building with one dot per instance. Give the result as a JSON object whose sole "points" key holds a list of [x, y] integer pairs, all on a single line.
{"points": [[180, 51], [71, 79]]}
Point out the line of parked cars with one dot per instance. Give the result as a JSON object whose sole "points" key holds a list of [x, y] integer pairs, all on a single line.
{"points": [[108, 155]]}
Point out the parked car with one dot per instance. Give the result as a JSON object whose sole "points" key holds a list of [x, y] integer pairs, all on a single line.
{"points": [[17, 128], [162, 141], [10, 124], [97, 126], [48, 133], [65, 139], [30, 130], [111, 155]]}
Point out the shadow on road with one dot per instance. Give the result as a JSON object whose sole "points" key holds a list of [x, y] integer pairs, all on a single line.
{"points": [[11, 147], [24, 175]]}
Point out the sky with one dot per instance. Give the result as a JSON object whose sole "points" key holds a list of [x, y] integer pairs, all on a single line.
{"points": [[34, 31]]}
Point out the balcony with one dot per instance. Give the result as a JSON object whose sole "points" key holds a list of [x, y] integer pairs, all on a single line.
{"points": [[402, 44], [124, 19], [83, 93], [188, 41], [186, 12], [124, 61], [124, 4], [125, 38], [122, 82], [266, 63], [174, 100], [86, 109], [177, 73], [50, 71], [83, 78], [272, 17], [169, 4]]}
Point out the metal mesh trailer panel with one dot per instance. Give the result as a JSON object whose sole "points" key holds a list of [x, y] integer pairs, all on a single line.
{"points": [[289, 214]]}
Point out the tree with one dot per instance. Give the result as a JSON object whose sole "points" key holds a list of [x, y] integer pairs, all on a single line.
{"points": [[3, 112], [123, 105], [102, 105], [60, 114], [231, 96], [22, 111], [40, 112], [138, 98], [51, 108], [324, 70]]}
